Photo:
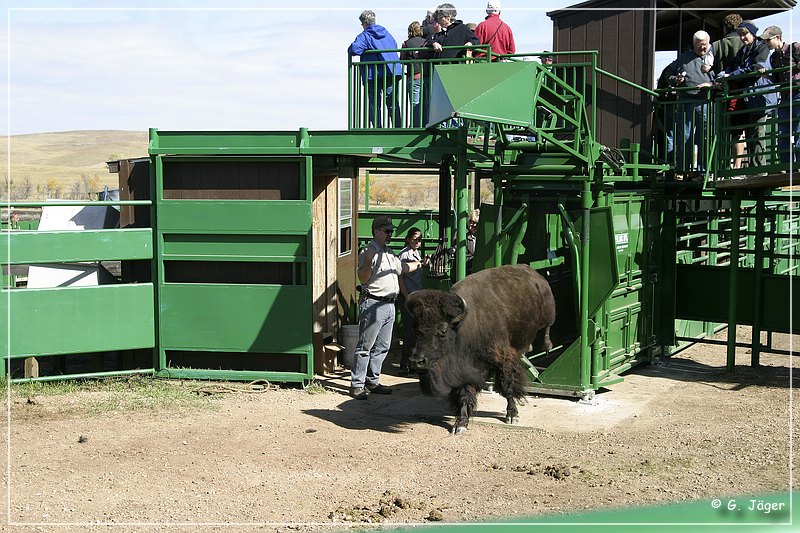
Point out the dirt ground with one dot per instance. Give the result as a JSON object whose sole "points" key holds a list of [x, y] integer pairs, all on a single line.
{"points": [[288, 460]]}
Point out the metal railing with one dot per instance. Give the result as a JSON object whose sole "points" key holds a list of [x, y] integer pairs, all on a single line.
{"points": [[729, 130], [381, 100]]}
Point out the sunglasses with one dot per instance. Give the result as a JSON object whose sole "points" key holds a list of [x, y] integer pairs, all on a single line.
{"points": [[386, 231]]}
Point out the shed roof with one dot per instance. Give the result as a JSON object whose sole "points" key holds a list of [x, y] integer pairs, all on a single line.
{"points": [[676, 20]]}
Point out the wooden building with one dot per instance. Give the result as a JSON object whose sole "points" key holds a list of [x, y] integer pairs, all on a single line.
{"points": [[627, 33]]}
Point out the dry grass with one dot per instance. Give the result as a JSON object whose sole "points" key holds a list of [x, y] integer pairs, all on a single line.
{"points": [[67, 156]]}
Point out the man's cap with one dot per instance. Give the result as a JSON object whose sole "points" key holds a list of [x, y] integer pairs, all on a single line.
{"points": [[770, 32], [493, 7], [383, 222]]}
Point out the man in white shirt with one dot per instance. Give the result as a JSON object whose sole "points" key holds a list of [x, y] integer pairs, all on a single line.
{"points": [[378, 271]]}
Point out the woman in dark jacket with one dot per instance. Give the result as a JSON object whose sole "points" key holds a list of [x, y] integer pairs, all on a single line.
{"points": [[751, 57], [454, 33]]}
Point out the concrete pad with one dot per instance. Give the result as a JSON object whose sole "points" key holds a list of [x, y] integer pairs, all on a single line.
{"points": [[552, 414]]}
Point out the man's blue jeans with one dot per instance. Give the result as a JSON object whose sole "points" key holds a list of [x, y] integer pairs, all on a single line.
{"points": [[382, 88], [375, 323], [689, 131], [414, 90]]}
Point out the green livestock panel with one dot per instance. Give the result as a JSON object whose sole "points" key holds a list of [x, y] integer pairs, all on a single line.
{"points": [[495, 92], [82, 330], [241, 328], [703, 295], [241, 247], [71, 320], [245, 318], [235, 217], [41, 247], [234, 262]]}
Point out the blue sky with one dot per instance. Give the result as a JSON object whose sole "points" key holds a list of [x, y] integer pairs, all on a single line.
{"points": [[204, 65]]}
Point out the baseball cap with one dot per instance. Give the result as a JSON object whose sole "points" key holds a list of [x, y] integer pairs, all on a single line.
{"points": [[770, 32], [383, 222]]}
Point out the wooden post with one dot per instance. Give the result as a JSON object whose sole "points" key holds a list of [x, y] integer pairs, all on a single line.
{"points": [[31, 367]]}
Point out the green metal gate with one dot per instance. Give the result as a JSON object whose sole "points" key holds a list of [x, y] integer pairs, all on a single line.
{"points": [[233, 259]]}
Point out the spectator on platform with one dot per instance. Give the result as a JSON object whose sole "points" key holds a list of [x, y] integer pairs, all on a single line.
{"points": [[495, 32], [751, 57], [453, 33], [686, 128], [785, 55], [414, 72], [380, 71], [725, 49]]}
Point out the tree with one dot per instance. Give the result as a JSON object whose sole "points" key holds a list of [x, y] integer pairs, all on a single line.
{"points": [[53, 189]]}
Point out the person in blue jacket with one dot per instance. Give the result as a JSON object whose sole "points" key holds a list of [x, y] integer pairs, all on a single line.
{"points": [[381, 72]]}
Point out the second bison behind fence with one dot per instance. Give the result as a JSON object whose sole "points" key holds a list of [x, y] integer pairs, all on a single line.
{"points": [[482, 326]]}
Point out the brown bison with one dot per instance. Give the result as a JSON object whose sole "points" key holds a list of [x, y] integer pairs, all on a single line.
{"points": [[484, 324]]}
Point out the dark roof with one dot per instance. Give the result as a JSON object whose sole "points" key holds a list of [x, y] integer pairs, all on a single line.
{"points": [[677, 20]]}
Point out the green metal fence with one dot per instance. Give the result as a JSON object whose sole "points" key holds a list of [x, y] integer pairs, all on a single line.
{"points": [[735, 257], [71, 322]]}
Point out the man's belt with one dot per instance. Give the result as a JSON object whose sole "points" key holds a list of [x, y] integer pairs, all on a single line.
{"points": [[381, 298]]}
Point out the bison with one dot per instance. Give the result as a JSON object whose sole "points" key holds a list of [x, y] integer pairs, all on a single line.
{"points": [[484, 324]]}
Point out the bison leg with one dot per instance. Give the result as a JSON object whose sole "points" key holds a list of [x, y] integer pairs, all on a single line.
{"points": [[463, 399], [510, 382]]}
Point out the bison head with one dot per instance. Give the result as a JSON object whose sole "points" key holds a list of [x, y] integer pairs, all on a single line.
{"points": [[437, 316]]}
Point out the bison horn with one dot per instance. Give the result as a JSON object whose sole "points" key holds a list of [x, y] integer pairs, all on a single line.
{"points": [[461, 310]]}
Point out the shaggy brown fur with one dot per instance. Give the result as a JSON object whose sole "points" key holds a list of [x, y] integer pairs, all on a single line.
{"points": [[481, 327]]}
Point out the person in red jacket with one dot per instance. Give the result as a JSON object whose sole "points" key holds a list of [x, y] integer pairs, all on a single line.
{"points": [[495, 32]]}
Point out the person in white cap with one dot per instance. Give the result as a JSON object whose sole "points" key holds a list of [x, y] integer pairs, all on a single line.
{"points": [[495, 32], [785, 55]]}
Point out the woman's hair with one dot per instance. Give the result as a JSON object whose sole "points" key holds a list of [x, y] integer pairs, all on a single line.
{"points": [[411, 233], [414, 29]]}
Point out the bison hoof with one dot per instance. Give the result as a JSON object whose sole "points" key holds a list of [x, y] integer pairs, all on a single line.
{"points": [[459, 430], [512, 420]]}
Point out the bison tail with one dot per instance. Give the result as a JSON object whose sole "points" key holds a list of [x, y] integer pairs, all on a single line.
{"points": [[547, 344]]}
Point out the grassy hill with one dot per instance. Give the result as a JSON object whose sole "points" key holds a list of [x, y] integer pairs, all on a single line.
{"points": [[43, 161], [72, 164]]}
